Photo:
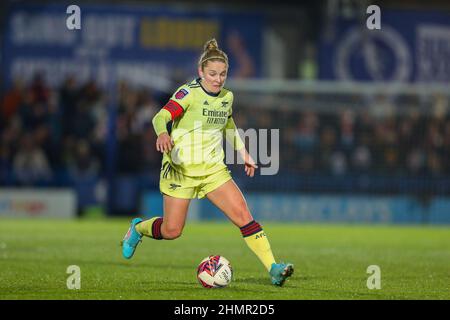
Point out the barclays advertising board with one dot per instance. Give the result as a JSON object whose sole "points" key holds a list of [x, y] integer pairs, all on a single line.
{"points": [[145, 44]]}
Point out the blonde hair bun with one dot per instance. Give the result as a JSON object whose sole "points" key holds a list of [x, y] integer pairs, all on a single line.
{"points": [[211, 45], [211, 52]]}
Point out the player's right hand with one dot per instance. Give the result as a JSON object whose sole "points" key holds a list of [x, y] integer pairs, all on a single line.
{"points": [[164, 143]]}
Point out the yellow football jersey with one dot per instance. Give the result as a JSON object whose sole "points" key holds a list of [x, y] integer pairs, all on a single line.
{"points": [[198, 129]]}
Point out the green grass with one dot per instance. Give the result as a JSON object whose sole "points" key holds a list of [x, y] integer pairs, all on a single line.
{"points": [[330, 261]]}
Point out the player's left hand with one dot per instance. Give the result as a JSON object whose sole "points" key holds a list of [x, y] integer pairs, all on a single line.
{"points": [[249, 163], [250, 166]]}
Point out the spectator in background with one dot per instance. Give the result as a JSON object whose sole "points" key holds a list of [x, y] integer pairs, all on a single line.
{"points": [[11, 101], [130, 151], [338, 163], [362, 156], [149, 158], [90, 107], [382, 107], [264, 120], [440, 107], [241, 119], [32, 113], [327, 147], [434, 143], [128, 138], [389, 143], [306, 141], [245, 67], [416, 161], [434, 164], [98, 113], [391, 161], [83, 121], [142, 127], [39, 89], [347, 132], [68, 151], [68, 99], [5, 163], [446, 147], [434, 136], [306, 135], [30, 163], [84, 163], [308, 69], [10, 134], [37, 115], [405, 134], [147, 107]]}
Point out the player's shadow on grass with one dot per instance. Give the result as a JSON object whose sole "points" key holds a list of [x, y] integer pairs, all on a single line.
{"points": [[265, 280], [167, 266], [179, 285], [135, 264]]}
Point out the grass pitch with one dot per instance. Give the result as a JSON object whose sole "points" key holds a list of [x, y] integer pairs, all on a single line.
{"points": [[330, 261]]}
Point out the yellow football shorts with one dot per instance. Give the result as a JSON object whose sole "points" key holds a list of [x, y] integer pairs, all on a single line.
{"points": [[175, 184]]}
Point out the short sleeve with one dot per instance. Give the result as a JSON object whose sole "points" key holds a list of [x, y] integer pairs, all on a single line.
{"points": [[183, 97]]}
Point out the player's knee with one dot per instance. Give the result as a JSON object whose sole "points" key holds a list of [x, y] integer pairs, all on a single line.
{"points": [[243, 216], [172, 233]]}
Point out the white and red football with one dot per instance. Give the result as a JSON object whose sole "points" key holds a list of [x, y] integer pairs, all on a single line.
{"points": [[214, 272]]}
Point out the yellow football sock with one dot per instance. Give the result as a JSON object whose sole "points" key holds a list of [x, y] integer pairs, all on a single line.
{"points": [[146, 227], [257, 241]]}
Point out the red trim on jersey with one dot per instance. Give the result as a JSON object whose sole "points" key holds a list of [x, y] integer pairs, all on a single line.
{"points": [[174, 108]]}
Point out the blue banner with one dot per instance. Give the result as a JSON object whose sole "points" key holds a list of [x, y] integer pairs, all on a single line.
{"points": [[322, 208], [411, 46], [144, 44]]}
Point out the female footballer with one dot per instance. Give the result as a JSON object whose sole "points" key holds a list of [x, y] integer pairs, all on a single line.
{"points": [[193, 163]]}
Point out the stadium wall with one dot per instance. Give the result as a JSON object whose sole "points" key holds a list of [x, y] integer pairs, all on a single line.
{"points": [[322, 208]]}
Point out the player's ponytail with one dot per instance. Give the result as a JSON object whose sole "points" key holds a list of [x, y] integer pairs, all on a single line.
{"points": [[211, 52]]}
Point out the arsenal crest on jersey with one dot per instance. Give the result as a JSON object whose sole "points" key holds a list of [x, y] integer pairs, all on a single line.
{"points": [[181, 94]]}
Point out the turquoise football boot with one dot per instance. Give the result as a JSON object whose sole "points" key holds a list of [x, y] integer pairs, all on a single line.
{"points": [[131, 239], [279, 272]]}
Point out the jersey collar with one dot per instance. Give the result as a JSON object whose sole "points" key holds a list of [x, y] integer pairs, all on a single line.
{"points": [[207, 92]]}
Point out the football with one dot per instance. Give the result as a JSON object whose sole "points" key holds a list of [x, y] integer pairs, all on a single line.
{"points": [[214, 272]]}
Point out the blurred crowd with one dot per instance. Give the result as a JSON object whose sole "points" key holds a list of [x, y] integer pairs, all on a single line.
{"points": [[51, 136], [381, 138]]}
